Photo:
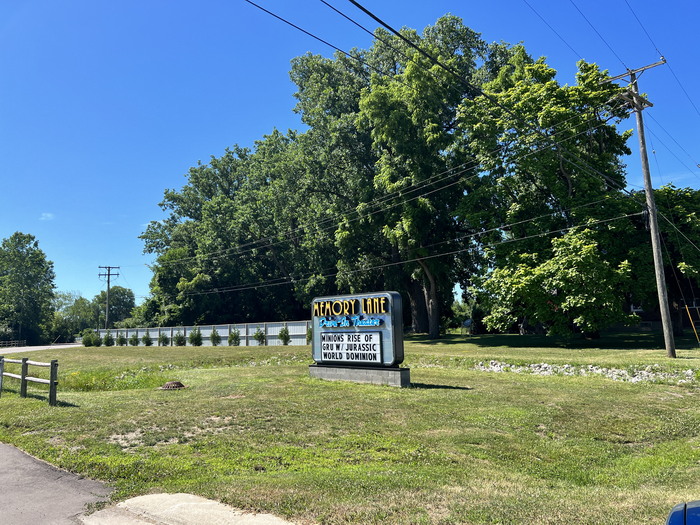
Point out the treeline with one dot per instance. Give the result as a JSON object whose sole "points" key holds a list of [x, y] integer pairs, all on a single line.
{"points": [[475, 169], [32, 310]]}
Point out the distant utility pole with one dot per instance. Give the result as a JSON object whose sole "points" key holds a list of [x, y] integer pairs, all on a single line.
{"points": [[639, 103], [109, 276]]}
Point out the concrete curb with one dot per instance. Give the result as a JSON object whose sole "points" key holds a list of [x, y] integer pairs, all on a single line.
{"points": [[176, 509]]}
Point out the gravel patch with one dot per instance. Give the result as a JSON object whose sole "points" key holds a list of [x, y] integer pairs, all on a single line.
{"points": [[651, 373]]}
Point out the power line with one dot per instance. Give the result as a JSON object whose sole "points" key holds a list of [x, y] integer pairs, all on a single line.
{"points": [[436, 62], [298, 28], [487, 96], [472, 88], [268, 284], [697, 164], [672, 153], [634, 14], [255, 245], [597, 33], [661, 54], [553, 30]]}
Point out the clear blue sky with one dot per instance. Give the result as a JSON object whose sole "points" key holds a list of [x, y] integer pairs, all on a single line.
{"points": [[104, 105]]}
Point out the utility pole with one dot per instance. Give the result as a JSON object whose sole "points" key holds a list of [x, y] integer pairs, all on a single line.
{"points": [[639, 103], [109, 276]]}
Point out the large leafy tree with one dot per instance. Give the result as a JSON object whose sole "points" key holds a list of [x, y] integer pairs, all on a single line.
{"points": [[679, 224], [386, 117], [26, 288], [121, 302], [549, 158], [405, 178], [72, 314], [571, 289]]}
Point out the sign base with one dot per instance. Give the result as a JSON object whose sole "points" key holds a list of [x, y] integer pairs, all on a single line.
{"points": [[394, 376]]}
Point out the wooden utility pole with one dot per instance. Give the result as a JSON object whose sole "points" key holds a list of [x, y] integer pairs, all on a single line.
{"points": [[639, 103], [108, 275]]}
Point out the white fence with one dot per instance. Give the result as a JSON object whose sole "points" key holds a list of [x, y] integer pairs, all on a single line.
{"points": [[297, 333]]}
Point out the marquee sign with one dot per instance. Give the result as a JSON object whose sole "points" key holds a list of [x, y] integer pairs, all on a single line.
{"points": [[360, 330]]}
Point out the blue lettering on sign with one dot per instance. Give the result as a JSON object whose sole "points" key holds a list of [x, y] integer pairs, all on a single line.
{"points": [[371, 321]]}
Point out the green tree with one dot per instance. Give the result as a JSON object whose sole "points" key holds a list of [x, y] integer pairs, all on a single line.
{"points": [[679, 225], [121, 303], [26, 288], [575, 289], [215, 337], [195, 337], [72, 314], [549, 160]]}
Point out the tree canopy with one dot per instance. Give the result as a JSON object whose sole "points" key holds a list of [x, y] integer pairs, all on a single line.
{"points": [[26, 289], [475, 167]]}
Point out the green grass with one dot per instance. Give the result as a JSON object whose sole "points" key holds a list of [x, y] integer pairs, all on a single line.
{"points": [[461, 446]]}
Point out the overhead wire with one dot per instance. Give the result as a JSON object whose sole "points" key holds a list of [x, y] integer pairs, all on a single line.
{"points": [[237, 249], [690, 170], [693, 160], [661, 54], [266, 284], [382, 200], [254, 245], [553, 30], [432, 59], [599, 35], [486, 96]]}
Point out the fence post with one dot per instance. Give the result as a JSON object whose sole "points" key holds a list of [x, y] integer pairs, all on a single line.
{"points": [[23, 384], [53, 378], [2, 371]]}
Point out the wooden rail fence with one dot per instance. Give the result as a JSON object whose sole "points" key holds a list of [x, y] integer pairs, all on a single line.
{"points": [[13, 343], [25, 378]]}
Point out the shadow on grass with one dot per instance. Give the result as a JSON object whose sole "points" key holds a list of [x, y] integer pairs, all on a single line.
{"points": [[40, 397], [613, 341], [425, 386]]}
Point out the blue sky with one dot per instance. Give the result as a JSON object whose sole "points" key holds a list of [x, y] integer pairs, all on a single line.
{"points": [[104, 105]]}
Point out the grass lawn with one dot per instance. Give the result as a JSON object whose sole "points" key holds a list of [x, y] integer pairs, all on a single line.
{"points": [[461, 446]]}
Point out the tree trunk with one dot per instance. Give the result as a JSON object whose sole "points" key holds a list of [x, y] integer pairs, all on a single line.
{"points": [[419, 312], [431, 302]]}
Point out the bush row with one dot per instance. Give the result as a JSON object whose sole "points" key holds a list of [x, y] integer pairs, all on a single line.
{"points": [[91, 338]]}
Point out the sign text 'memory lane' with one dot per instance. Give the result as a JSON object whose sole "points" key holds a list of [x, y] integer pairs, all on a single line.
{"points": [[367, 305]]}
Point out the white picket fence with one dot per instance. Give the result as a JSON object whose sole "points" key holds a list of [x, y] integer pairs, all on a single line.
{"points": [[297, 333]]}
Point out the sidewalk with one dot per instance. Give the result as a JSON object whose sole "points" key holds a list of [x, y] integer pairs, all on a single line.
{"points": [[37, 493], [23, 349], [34, 492]]}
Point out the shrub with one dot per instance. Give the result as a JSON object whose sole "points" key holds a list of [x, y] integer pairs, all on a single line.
{"points": [[121, 340], [234, 337], [195, 337], [147, 340], [108, 339], [260, 337], [284, 336], [215, 338], [88, 337], [309, 335], [97, 340], [134, 339], [163, 339], [179, 339]]}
